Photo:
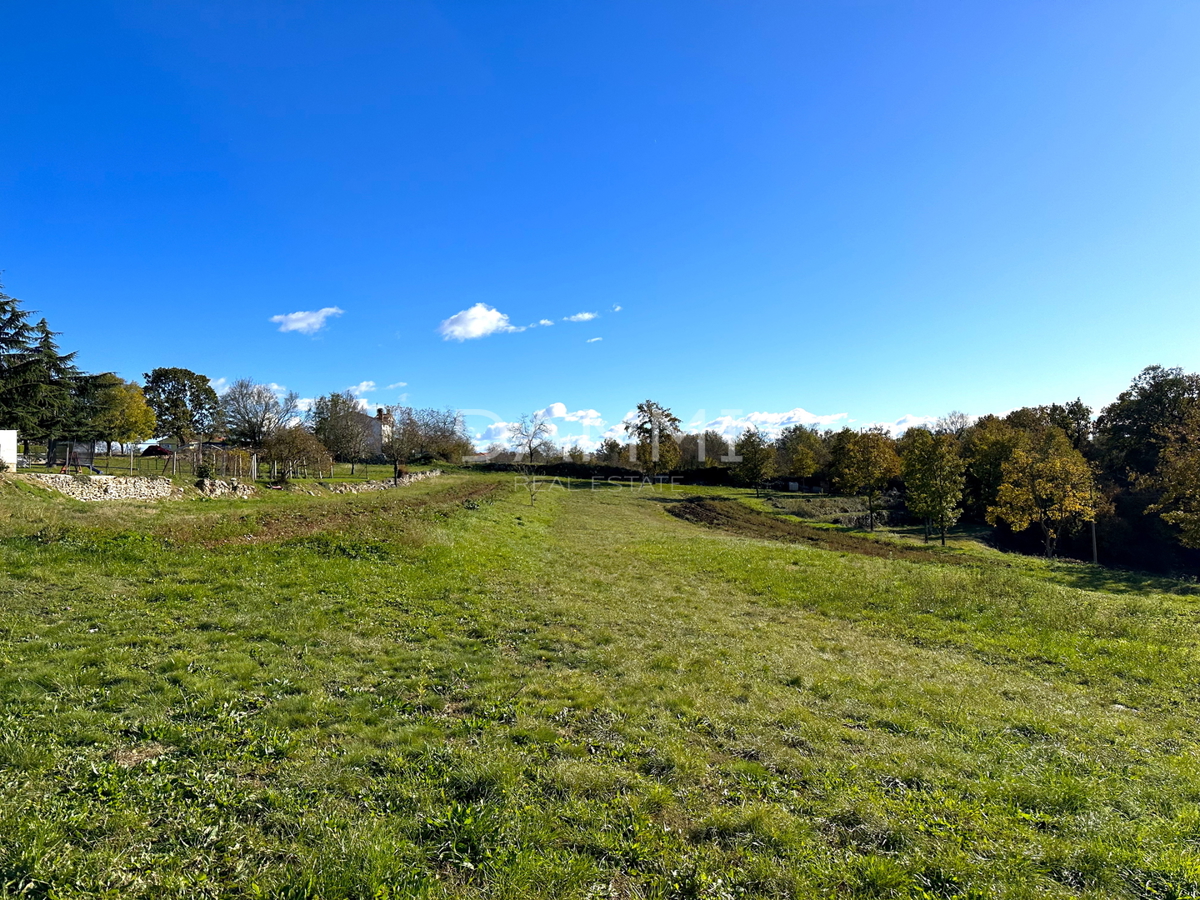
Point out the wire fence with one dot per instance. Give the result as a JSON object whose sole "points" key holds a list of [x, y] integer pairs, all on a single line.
{"points": [[208, 462]]}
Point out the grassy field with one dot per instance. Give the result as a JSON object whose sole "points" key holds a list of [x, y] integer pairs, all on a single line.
{"points": [[442, 692]]}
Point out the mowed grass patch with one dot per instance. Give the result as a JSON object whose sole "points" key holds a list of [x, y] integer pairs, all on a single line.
{"points": [[444, 693]]}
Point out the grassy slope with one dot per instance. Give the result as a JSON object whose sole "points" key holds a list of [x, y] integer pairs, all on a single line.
{"points": [[400, 695]]}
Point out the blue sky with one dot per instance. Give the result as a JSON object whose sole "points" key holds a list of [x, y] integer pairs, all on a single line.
{"points": [[864, 210]]}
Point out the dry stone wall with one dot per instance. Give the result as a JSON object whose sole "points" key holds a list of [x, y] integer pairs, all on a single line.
{"points": [[108, 487], [359, 487], [212, 487], [120, 487]]}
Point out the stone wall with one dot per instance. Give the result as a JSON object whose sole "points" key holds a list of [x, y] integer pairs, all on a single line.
{"points": [[359, 487], [120, 487], [107, 487], [212, 487]]}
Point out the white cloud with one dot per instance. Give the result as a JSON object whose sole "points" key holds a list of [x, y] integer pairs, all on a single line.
{"points": [[306, 322], [478, 321], [497, 431], [902, 424], [220, 385], [545, 322], [618, 430], [398, 384], [582, 441], [593, 340], [588, 418], [363, 387], [580, 317], [501, 432], [304, 404], [770, 424], [616, 307]]}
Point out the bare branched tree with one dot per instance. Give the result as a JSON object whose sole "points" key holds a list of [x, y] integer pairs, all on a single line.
{"points": [[254, 412], [529, 435], [341, 426]]}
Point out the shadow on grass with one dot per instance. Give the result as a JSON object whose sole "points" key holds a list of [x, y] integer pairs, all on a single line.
{"points": [[731, 515], [1089, 577], [737, 518]]}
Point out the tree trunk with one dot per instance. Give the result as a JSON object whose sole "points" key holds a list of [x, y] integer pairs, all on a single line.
{"points": [[943, 524], [1048, 538]]}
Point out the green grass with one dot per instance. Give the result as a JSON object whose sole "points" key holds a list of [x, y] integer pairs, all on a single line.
{"points": [[443, 692]]}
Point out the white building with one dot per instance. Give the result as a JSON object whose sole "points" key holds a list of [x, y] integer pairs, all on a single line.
{"points": [[8, 449]]}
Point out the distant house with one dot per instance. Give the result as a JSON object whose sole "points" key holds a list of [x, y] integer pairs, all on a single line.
{"points": [[378, 428]]}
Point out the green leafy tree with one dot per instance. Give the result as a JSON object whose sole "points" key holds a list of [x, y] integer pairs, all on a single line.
{"points": [[655, 429], [757, 462], [16, 362], [699, 451], [44, 398], [91, 402], [933, 478], [1074, 419], [45, 405], [863, 463], [1049, 484], [184, 403], [293, 447], [126, 417], [800, 452], [610, 452], [1177, 479], [987, 446], [1132, 430]]}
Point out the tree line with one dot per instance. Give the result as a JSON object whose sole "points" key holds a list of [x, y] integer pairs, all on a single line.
{"points": [[1123, 484], [48, 399]]}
